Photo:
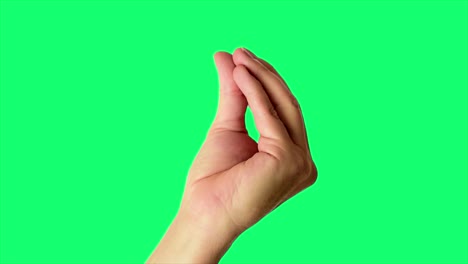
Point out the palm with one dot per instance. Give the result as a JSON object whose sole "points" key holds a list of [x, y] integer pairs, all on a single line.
{"points": [[221, 151], [213, 167]]}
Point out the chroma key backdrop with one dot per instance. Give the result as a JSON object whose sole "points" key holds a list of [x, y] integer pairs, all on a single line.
{"points": [[104, 105]]}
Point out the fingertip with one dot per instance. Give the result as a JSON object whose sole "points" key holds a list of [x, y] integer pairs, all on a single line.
{"points": [[238, 50], [238, 72], [216, 57], [223, 62], [237, 55], [216, 54], [219, 55]]}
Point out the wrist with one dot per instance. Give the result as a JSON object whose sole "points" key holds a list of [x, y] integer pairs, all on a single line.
{"points": [[189, 241]]}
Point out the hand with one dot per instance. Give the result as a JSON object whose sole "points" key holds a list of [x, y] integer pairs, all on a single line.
{"points": [[233, 181]]}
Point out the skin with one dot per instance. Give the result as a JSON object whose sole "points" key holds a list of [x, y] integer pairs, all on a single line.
{"points": [[235, 181]]}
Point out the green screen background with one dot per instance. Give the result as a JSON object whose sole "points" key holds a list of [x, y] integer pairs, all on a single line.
{"points": [[104, 105]]}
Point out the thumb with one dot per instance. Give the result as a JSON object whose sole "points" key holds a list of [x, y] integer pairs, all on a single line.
{"points": [[232, 102]]}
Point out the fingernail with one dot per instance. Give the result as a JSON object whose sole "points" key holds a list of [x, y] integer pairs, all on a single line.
{"points": [[248, 52]]}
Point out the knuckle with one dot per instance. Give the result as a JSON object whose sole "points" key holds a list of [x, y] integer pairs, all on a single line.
{"points": [[290, 102], [309, 182], [294, 101], [304, 168], [272, 111], [261, 68], [282, 153], [299, 165], [312, 174]]}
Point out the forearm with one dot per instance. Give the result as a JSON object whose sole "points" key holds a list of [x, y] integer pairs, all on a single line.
{"points": [[185, 242]]}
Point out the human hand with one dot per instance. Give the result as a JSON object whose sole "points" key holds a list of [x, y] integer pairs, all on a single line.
{"points": [[233, 181]]}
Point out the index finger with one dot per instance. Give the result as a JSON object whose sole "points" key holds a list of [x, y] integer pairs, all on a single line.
{"points": [[281, 97]]}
